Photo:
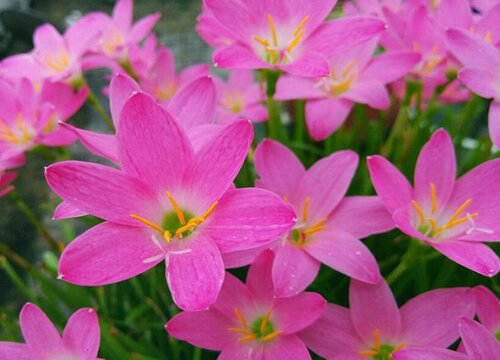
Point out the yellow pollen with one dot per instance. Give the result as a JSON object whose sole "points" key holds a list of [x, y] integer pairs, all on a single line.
{"points": [[376, 335], [167, 236], [240, 331], [261, 40], [272, 335], [316, 227], [295, 41], [57, 62], [177, 209], [273, 29], [433, 198], [146, 222], [183, 229], [248, 338], [454, 223], [301, 25], [307, 200], [265, 319], [420, 212], [459, 211], [209, 211]]}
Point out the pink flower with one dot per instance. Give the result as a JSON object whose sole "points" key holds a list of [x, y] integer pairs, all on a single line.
{"points": [[375, 328], [6, 178], [55, 57], [329, 225], [284, 35], [354, 77], [240, 97], [481, 74], [80, 339], [488, 309], [478, 341], [166, 203], [248, 321], [452, 216]]}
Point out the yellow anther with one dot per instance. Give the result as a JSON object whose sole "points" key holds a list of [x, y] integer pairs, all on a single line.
{"points": [[240, 318], [207, 213], [261, 41], [459, 211], [240, 331], [368, 352], [433, 198], [420, 212], [307, 200], [265, 319], [167, 236], [376, 337], [295, 41], [316, 227], [301, 25], [147, 222], [180, 231], [248, 338], [177, 209], [456, 222], [273, 29], [272, 335]]}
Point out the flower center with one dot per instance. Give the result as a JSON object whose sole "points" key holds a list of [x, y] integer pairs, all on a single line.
{"points": [[429, 61], [261, 329], [20, 133], [165, 90], [233, 102], [300, 233], [497, 335], [273, 52], [338, 82], [174, 223], [57, 62], [112, 41], [380, 351]]}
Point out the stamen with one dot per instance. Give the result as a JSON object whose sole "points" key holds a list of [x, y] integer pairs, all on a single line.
{"points": [[240, 331], [146, 222], [167, 236], [295, 41], [265, 319], [301, 25], [454, 223], [316, 227], [433, 225], [419, 210], [459, 211], [178, 211], [307, 200], [185, 228], [248, 338], [209, 211], [273, 29], [240, 317], [376, 336], [433, 198], [368, 352], [261, 41], [272, 335]]}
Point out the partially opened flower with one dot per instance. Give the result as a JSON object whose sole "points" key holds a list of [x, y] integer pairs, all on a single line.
{"points": [[286, 35], [240, 97], [79, 341], [167, 203], [478, 341], [355, 77], [248, 321], [452, 216], [374, 328], [329, 225]]}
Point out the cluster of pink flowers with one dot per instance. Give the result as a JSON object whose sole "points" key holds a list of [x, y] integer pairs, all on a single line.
{"points": [[167, 193]]}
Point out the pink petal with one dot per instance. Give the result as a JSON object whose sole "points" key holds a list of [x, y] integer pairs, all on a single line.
{"points": [[12, 350], [84, 33], [478, 341], [194, 104], [247, 218], [487, 308], [343, 252], [238, 56], [100, 190], [309, 63], [332, 334], [217, 163], [233, 295], [102, 145], [205, 329], [293, 314], [465, 46], [391, 185], [481, 81], [324, 116], [121, 88], [192, 72], [412, 353], [361, 216], [242, 351], [374, 307], [279, 169], [259, 280], [436, 164], [38, 331], [67, 211], [293, 270], [294, 87], [431, 319], [109, 253], [143, 27], [48, 40], [145, 125], [82, 334], [285, 347], [472, 255], [195, 272], [241, 258], [123, 11], [370, 92], [326, 183], [494, 122], [389, 67]]}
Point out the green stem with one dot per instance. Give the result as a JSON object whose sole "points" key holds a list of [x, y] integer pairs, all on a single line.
{"points": [[408, 258], [42, 230], [273, 107], [92, 100]]}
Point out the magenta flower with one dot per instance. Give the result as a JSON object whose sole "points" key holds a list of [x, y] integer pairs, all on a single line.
{"points": [[354, 77], [480, 74], [284, 35], [6, 178], [166, 203], [478, 341], [55, 57], [80, 339], [374, 327], [488, 309], [452, 216], [240, 97], [329, 225], [248, 321]]}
